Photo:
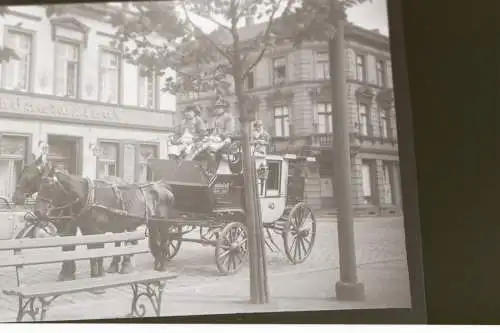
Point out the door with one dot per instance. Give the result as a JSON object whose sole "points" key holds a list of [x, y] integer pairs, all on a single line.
{"points": [[65, 153]]}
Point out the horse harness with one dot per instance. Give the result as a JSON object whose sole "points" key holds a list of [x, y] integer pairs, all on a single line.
{"points": [[89, 202]]}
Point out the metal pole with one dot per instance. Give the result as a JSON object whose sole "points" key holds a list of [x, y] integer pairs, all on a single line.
{"points": [[348, 288]]}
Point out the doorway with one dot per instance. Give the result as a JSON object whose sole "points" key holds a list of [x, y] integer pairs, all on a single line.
{"points": [[66, 152]]}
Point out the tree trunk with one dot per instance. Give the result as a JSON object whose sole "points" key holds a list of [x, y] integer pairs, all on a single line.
{"points": [[259, 293]]}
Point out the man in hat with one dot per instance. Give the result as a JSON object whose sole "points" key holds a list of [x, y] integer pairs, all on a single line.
{"points": [[191, 130], [260, 138], [222, 129]]}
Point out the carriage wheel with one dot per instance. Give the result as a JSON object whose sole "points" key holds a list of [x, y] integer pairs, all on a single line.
{"points": [[232, 248], [299, 233], [174, 245]]}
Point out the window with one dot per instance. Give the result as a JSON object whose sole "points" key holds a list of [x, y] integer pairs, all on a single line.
{"points": [[279, 70], [366, 178], [381, 73], [360, 68], [281, 124], [18, 71], [13, 155], [363, 115], [147, 91], [146, 152], [384, 123], [322, 66], [274, 178], [324, 112], [387, 183], [250, 83], [109, 77], [67, 69], [108, 161]]}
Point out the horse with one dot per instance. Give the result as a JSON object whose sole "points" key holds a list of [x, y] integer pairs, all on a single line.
{"points": [[96, 208], [29, 184]]}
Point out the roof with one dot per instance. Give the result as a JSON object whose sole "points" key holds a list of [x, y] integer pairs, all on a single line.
{"points": [[251, 31]]}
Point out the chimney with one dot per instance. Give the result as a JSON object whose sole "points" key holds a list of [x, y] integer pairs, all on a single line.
{"points": [[248, 21]]}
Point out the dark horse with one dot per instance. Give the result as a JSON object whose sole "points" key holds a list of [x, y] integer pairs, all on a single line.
{"points": [[56, 187], [29, 184]]}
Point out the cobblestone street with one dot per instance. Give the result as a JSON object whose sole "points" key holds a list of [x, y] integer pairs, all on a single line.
{"points": [[200, 289]]}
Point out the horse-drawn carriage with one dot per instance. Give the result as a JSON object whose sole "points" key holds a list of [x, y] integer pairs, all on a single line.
{"points": [[211, 202], [215, 206]]}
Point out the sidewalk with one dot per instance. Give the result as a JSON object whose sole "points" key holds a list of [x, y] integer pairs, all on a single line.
{"points": [[386, 286]]}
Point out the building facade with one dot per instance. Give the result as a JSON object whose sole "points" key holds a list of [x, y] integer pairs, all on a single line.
{"points": [[68, 89], [293, 91]]}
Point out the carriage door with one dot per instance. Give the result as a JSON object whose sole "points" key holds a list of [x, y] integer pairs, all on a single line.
{"points": [[13, 154], [65, 153]]}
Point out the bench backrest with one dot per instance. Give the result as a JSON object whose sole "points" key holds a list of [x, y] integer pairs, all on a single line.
{"points": [[21, 258]]}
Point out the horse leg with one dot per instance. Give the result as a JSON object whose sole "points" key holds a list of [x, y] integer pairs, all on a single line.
{"points": [[68, 268], [164, 235], [154, 243], [127, 266], [96, 267], [114, 266]]}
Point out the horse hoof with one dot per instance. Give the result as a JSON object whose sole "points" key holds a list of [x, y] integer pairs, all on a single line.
{"points": [[113, 269], [126, 269], [64, 277]]}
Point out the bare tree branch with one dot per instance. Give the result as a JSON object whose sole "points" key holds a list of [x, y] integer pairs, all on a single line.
{"points": [[266, 36], [204, 35]]}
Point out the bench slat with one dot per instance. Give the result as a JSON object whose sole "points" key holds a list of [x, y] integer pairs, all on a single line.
{"points": [[36, 243], [79, 254], [75, 286]]}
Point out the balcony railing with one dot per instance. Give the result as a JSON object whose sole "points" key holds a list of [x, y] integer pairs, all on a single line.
{"points": [[325, 140]]}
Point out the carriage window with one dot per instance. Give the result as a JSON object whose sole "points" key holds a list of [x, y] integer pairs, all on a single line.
{"points": [[274, 178]]}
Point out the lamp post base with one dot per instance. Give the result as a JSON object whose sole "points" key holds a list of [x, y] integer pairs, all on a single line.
{"points": [[348, 291]]}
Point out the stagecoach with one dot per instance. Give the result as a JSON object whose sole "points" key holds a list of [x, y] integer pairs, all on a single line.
{"points": [[215, 206]]}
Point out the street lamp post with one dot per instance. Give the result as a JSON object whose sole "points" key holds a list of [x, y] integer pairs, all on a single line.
{"points": [[348, 288]]}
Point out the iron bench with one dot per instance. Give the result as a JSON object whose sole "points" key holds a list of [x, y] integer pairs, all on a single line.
{"points": [[35, 299]]}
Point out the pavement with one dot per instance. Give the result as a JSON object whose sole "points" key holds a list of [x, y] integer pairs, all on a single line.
{"points": [[200, 289]]}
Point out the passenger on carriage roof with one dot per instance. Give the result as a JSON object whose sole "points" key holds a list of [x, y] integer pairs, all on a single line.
{"points": [[260, 138], [192, 129]]}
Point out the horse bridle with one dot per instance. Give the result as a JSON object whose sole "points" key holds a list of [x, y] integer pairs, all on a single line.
{"points": [[61, 208]]}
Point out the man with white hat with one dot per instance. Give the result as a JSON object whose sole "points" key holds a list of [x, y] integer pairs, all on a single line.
{"points": [[191, 130], [221, 131]]}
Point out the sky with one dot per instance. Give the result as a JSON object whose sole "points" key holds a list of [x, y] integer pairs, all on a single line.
{"points": [[369, 15]]}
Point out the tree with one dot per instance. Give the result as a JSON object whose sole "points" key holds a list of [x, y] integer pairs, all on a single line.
{"points": [[220, 60]]}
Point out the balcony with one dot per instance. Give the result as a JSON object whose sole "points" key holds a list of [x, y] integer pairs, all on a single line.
{"points": [[325, 140]]}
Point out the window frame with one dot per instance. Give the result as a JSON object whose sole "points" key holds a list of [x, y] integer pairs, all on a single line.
{"points": [[382, 71], [28, 139], [284, 120], [138, 163], [388, 183], [362, 66], [328, 115], [275, 68], [119, 155], [30, 75], [320, 62], [79, 67], [119, 72], [155, 91], [369, 132]]}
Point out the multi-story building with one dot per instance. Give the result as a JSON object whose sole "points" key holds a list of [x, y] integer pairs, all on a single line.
{"points": [[70, 90], [293, 91]]}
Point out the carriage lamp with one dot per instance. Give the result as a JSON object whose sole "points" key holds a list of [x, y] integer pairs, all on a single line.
{"points": [[262, 174]]}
